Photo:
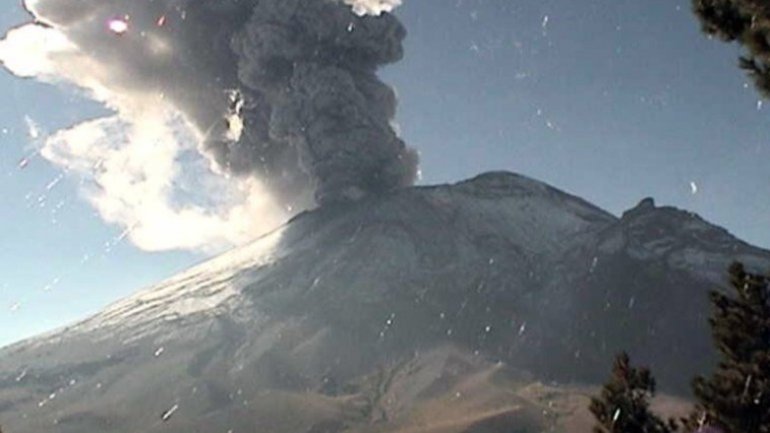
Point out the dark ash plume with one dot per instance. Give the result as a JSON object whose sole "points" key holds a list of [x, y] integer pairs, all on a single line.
{"points": [[283, 90]]}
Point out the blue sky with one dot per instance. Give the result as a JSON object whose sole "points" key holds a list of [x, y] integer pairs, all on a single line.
{"points": [[611, 100]]}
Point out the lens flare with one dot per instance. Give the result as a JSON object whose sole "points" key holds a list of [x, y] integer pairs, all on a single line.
{"points": [[118, 26]]}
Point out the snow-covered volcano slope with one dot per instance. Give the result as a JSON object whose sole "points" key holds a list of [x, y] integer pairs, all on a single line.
{"points": [[341, 320]]}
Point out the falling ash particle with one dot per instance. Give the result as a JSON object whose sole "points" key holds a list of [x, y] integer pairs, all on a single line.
{"points": [[52, 184], [118, 26], [21, 376], [33, 129], [166, 415]]}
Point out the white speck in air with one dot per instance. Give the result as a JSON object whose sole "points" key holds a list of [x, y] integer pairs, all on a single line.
{"points": [[33, 130], [21, 376], [166, 415], [118, 26], [54, 182]]}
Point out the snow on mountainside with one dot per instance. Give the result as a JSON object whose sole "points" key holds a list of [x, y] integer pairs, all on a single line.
{"points": [[685, 240], [198, 290], [361, 317], [536, 217]]}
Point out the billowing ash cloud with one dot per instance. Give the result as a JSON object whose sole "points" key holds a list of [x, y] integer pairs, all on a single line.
{"points": [[280, 97]]}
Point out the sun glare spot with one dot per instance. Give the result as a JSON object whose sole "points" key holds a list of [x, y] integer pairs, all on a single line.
{"points": [[118, 26]]}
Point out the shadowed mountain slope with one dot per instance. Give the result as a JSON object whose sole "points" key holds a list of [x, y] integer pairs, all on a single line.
{"points": [[433, 309]]}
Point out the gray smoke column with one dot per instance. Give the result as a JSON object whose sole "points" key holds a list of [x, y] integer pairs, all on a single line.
{"points": [[284, 91], [307, 73]]}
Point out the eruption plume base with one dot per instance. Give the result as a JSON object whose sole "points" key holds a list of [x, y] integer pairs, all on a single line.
{"points": [[281, 98]]}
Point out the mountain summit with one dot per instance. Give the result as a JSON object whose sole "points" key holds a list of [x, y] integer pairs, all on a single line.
{"points": [[431, 309]]}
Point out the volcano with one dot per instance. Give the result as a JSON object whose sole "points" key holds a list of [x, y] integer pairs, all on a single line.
{"points": [[491, 305]]}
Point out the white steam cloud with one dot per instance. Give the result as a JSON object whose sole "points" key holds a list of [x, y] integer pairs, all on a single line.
{"points": [[131, 160], [373, 7], [227, 116]]}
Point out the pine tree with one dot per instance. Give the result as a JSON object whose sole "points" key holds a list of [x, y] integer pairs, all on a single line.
{"points": [[624, 403], [736, 398], [748, 23]]}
